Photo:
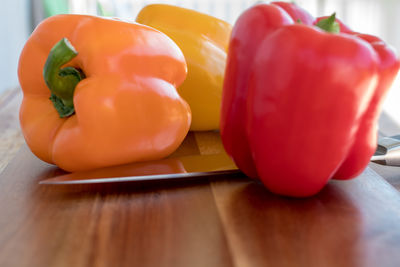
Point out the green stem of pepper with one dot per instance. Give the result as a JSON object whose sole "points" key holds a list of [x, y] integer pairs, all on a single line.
{"points": [[62, 81], [329, 24]]}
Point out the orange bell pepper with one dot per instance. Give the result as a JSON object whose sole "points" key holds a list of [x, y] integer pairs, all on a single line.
{"points": [[113, 97]]}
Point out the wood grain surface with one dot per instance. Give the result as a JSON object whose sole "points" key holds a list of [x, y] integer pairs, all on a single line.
{"points": [[353, 223], [11, 137], [229, 222]]}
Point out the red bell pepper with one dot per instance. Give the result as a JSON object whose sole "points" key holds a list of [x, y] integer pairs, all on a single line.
{"points": [[300, 104], [364, 144]]}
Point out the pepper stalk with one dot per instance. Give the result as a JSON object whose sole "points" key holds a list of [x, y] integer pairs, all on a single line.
{"points": [[329, 24], [62, 81]]}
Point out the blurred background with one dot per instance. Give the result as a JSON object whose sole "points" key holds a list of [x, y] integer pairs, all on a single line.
{"points": [[378, 17]]}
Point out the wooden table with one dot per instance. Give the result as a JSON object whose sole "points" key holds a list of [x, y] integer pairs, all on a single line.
{"points": [[215, 222]]}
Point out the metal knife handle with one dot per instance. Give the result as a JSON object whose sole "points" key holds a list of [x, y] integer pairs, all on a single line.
{"points": [[388, 151]]}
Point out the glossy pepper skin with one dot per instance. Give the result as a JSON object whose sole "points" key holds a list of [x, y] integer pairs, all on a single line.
{"points": [[295, 107], [204, 41], [126, 108], [365, 142], [248, 32]]}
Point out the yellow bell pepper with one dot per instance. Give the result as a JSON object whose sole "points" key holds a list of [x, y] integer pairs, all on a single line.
{"points": [[203, 40]]}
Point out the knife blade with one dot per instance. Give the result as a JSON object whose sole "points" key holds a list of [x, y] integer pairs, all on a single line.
{"points": [[177, 168], [194, 167]]}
